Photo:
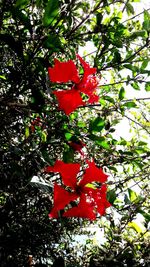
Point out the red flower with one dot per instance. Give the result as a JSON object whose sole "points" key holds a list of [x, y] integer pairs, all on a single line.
{"points": [[90, 199], [67, 71], [63, 72], [68, 100]]}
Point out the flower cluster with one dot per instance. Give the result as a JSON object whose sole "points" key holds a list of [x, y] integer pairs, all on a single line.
{"points": [[87, 198], [70, 99], [77, 196]]}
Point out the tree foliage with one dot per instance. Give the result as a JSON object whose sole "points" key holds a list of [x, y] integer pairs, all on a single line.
{"points": [[35, 133]]}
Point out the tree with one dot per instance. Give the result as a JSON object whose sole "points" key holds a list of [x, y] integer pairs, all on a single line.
{"points": [[35, 132]]}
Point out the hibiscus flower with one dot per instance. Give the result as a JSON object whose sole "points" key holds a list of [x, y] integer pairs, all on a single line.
{"points": [[90, 199], [70, 100]]}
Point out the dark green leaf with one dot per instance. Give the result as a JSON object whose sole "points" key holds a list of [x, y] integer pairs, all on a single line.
{"points": [[144, 64], [121, 93], [24, 19], [99, 17], [20, 3], [109, 99], [131, 67], [97, 125], [51, 12], [129, 8], [135, 86], [52, 42], [126, 199], [117, 57], [68, 156], [111, 196], [146, 22]]}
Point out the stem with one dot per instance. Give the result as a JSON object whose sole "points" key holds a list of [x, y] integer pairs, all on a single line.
{"points": [[84, 19], [136, 15]]}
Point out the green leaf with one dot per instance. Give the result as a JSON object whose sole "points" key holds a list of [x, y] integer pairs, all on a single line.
{"points": [[135, 86], [68, 136], [109, 99], [51, 12], [130, 104], [27, 132], [97, 125], [146, 22], [121, 93], [117, 57], [111, 196], [20, 3], [132, 195], [2, 77], [43, 137], [99, 17], [131, 67], [147, 86], [101, 142], [130, 9], [81, 124], [52, 42], [144, 64]]}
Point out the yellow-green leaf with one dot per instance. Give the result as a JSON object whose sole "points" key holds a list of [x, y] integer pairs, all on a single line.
{"points": [[27, 132], [135, 226]]}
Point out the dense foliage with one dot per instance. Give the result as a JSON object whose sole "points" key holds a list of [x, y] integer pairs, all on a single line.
{"points": [[34, 132]]}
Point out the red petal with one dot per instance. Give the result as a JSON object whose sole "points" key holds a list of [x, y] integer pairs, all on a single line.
{"points": [[83, 210], [93, 174], [63, 72], [93, 99], [61, 199], [69, 100], [102, 206], [68, 172], [87, 69], [88, 84], [100, 200]]}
